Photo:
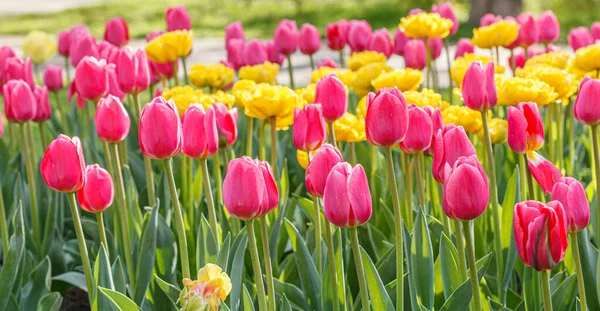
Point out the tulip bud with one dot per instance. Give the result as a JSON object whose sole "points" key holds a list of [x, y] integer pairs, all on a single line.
{"points": [[419, 132], [386, 120], [543, 171], [488, 19], [111, 119], [466, 191], [5, 53], [113, 82], [53, 78], [64, 40], [347, 198], [540, 232], [254, 53], [358, 34], [177, 18], [63, 165], [437, 124], [319, 167], [235, 53], [249, 189], [336, 34], [91, 79], [327, 62], [445, 10], [200, 139], [400, 40], [586, 105], [16, 69], [579, 37], [20, 104], [525, 128], [117, 31], [415, 11], [571, 194], [309, 128], [98, 192], [234, 30], [43, 110], [380, 42], [133, 73], [275, 56], [595, 30], [415, 54], [451, 143], [463, 47], [310, 39], [549, 27], [331, 93], [479, 88], [226, 124], [529, 30], [286, 37], [160, 132], [435, 47], [81, 46]]}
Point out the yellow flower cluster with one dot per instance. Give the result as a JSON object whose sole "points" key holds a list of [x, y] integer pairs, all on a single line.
{"points": [[307, 93], [219, 96], [346, 76], [461, 64], [216, 76], [170, 46], [261, 73], [267, 101], [552, 59], [498, 129], [207, 292], [349, 128], [512, 91], [560, 80], [407, 79], [366, 74], [426, 25], [464, 116], [425, 97], [588, 58], [578, 73], [501, 33], [183, 97], [242, 90], [359, 59], [39, 46]]}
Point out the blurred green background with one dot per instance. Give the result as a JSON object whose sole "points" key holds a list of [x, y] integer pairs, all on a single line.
{"points": [[260, 17]]}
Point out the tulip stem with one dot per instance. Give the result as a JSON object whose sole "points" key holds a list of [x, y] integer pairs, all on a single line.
{"points": [[185, 74], [102, 232], [494, 199], [550, 116], [42, 135], [341, 55], [29, 165], [523, 173], [460, 247], [317, 223], [545, 276], [332, 139], [512, 62], [183, 248], [398, 230], [258, 277], [63, 116], [274, 147], [596, 172], [85, 260], [291, 71], [124, 215], [472, 264], [217, 171], [107, 159], [352, 153], [261, 140], [68, 69], [420, 176], [577, 259], [175, 73], [449, 73], [264, 234], [312, 62], [212, 213], [409, 191], [123, 153], [249, 136], [360, 272], [3, 226], [332, 266]]}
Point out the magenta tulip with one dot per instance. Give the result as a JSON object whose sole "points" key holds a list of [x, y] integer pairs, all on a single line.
{"points": [[347, 198], [117, 31], [235, 53], [16, 69], [66, 37], [327, 62], [479, 88], [380, 42], [20, 104], [286, 37], [133, 72], [415, 54], [488, 19], [337, 34], [435, 47], [63, 165], [525, 128], [200, 139], [177, 18], [466, 190], [319, 167], [386, 121], [445, 10], [571, 194], [98, 192], [91, 79], [332, 95], [415, 11], [529, 30], [451, 143], [226, 124], [310, 39], [586, 105], [113, 82], [275, 56], [112, 120], [5, 53], [420, 131], [108, 52], [358, 35], [81, 46], [400, 40], [43, 110], [53, 78], [464, 46], [595, 30], [254, 53], [160, 132], [549, 27], [234, 30], [544, 172], [309, 128], [437, 123], [580, 37]]}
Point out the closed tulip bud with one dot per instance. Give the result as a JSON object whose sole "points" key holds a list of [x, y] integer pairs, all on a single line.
{"points": [[579, 37], [133, 73], [310, 39], [529, 30], [525, 128], [518, 59], [235, 53], [386, 120], [420, 131], [64, 40], [331, 93], [595, 30], [400, 40], [200, 139], [358, 34], [226, 124], [43, 110], [327, 62], [82, 46], [113, 82], [16, 69], [488, 19], [540, 232], [98, 192], [435, 47], [309, 128], [249, 189], [160, 133], [63, 165], [111, 119], [571, 194], [347, 198], [464, 46], [254, 53], [451, 143], [336, 34], [117, 31], [415, 54], [5, 53], [91, 79], [380, 42], [479, 88], [109, 52], [466, 191], [544, 172], [275, 56], [445, 10], [286, 37], [234, 30], [549, 27], [586, 105], [319, 167], [177, 18], [53, 78], [20, 104], [437, 123]]}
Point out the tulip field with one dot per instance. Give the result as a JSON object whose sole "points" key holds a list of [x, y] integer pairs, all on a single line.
{"points": [[135, 179]]}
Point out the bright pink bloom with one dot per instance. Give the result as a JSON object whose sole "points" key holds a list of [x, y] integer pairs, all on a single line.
{"points": [[1, 128], [91, 79], [437, 124], [16, 69], [580, 37], [595, 30], [113, 82], [464, 46], [310, 39], [108, 52], [160, 132], [234, 30], [451, 143], [5, 53], [435, 47], [177, 18], [571, 194], [43, 110], [445, 10], [235, 53], [286, 37], [319, 167], [488, 19], [529, 30], [117, 31], [309, 128], [20, 104], [416, 11], [337, 34], [327, 62], [525, 128], [586, 105], [386, 121], [275, 56], [133, 73], [347, 198], [420, 131], [53, 78], [66, 37], [63, 165], [82, 45], [549, 27], [112, 120], [466, 190], [200, 139], [517, 42], [254, 52], [400, 40], [380, 42], [358, 35], [479, 88], [415, 54], [332, 95], [98, 192], [226, 124], [544, 172]]}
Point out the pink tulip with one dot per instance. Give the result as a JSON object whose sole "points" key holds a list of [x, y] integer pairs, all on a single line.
{"points": [[254, 53], [451, 143], [249, 189], [20, 104], [66, 37], [517, 42], [488, 19], [586, 105], [286, 37], [571, 194], [445, 10], [81, 46], [420, 131], [595, 30], [310, 39], [543, 171], [416, 11], [309, 128], [331, 93], [437, 123], [133, 73], [380, 42], [5, 53], [63, 165], [112, 120], [529, 30], [466, 191], [347, 198], [53, 78], [113, 82], [415, 54], [464, 46], [235, 53], [275, 56], [160, 132], [162, 71], [549, 27], [525, 128], [319, 167], [386, 121], [435, 47], [540, 232], [358, 35], [98, 192], [1, 128], [580, 37], [43, 110], [552, 48], [117, 31], [91, 79], [336, 34], [226, 124], [200, 138], [479, 88], [108, 52], [327, 62], [16, 69], [400, 40], [234, 30], [177, 18]]}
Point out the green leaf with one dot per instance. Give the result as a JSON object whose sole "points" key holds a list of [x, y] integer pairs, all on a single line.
{"points": [[103, 278], [50, 302], [449, 266], [564, 295], [461, 298], [119, 300], [37, 286], [511, 197], [422, 262], [296, 296], [223, 256], [379, 297], [119, 276], [285, 304], [146, 255], [237, 269], [10, 267], [589, 256], [248, 305], [170, 290], [76, 279]]}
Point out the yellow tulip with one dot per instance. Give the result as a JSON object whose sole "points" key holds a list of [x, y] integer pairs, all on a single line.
{"points": [[498, 129], [261, 73], [183, 97], [425, 97], [552, 59], [359, 59], [588, 58], [345, 75], [426, 25], [349, 128], [307, 93], [407, 79], [39, 46], [560, 80], [463, 116], [366, 74], [501, 33], [216, 76], [512, 91], [461, 64], [242, 90], [207, 292], [268, 101], [170, 46]]}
